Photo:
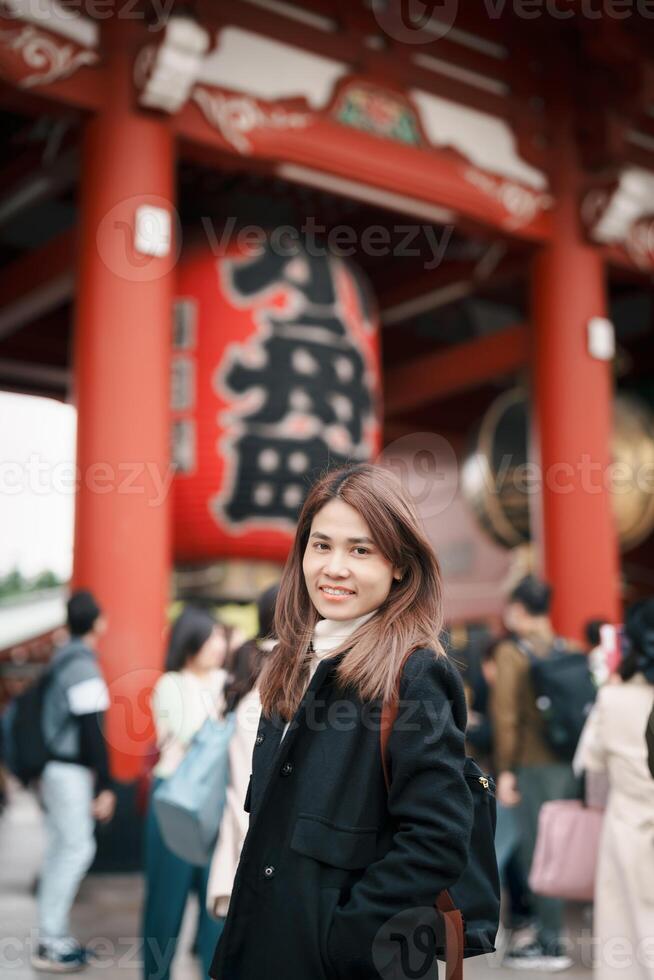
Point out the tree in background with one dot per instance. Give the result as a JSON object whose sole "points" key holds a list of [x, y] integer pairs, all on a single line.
{"points": [[14, 583]]}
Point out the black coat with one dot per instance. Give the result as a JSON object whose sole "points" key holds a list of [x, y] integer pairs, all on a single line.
{"points": [[330, 857]]}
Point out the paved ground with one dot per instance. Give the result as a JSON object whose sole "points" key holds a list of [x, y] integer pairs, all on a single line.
{"points": [[107, 914]]}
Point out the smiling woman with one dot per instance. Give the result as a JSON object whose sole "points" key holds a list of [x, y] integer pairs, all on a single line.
{"points": [[358, 531], [324, 871], [346, 574]]}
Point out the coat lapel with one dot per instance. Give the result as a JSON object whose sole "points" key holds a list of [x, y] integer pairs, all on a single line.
{"points": [[278, 748]]}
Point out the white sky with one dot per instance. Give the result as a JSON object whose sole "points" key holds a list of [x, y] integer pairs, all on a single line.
{"points": [[37, 453]]}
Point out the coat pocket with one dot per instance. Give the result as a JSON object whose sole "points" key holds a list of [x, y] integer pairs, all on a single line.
{"points": [[350, 848]]}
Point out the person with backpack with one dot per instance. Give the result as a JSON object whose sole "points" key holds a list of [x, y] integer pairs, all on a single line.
{"points": [[185, 696], [531, 768], [613, 744], [361, 802], [75, 783]]}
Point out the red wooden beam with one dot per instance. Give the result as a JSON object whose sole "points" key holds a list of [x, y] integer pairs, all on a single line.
{"points": [[86, 90], [323, 153], [36, 283], [427, 379], [81, 86]]}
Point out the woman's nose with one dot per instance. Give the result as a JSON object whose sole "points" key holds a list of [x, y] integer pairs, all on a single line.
{"points": [[336, 565]]}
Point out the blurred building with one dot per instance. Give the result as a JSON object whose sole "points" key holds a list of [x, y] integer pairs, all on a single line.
{"points": [[335, 226]]}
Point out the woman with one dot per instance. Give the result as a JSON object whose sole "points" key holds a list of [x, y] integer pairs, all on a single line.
{"points": [[331, 858], [189, 692], [614, 742], [242, 696]]}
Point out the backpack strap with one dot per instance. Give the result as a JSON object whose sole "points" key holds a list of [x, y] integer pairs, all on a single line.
{"points": [[53, 668], [557, 647], [451, 915], [454, 937], [52, 680]]}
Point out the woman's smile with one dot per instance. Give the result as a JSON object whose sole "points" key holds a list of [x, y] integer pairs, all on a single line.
{"points": [[334, 592]]}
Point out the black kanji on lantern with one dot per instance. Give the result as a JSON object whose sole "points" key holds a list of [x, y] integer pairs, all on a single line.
{"points": [[274, 474], [325, 382], [307, 274], [313, 396]]}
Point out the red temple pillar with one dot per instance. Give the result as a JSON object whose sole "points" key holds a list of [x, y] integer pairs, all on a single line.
{"points": [[123, 335], [573, 400]]}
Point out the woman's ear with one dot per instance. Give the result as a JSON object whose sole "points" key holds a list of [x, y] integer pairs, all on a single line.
{"points": [[398, 574]]}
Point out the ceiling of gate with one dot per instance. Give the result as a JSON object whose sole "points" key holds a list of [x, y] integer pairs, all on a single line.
{"points": [[457, 282]]}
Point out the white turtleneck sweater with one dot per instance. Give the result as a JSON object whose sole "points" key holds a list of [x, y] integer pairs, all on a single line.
{"points": [[327, 636]]}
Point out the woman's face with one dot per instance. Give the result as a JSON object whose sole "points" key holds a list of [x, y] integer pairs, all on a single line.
{"points": [[213, 651], [345, 573]]}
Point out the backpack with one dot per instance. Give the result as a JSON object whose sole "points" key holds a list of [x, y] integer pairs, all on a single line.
{"points": [[565, 693], [189, 804], [25, 749], [470, 909]]}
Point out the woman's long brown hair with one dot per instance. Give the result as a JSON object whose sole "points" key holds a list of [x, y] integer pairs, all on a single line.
{"points": [[411, 616]]}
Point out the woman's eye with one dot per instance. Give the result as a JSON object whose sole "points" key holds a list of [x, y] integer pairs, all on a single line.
{"points": [[362, 551], [319, 545]]}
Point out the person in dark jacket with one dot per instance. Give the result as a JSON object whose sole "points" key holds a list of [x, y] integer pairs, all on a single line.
{"points": [[529, 772], [336, 872], [76, 786]]}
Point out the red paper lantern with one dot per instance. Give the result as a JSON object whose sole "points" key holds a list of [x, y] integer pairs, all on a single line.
{"points": [[275, 377]]}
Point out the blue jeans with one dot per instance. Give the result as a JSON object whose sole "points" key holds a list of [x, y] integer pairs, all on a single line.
{"points": [[168, 882]]}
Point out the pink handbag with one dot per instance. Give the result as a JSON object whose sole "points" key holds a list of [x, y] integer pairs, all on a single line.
{"points": [[566, 851]]}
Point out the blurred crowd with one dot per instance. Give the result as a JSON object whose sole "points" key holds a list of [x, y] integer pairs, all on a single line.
{"points": [[566, 731]]}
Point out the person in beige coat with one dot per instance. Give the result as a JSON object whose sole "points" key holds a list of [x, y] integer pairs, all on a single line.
{"points": [[242, 697], [614, 742], [234, 823]]}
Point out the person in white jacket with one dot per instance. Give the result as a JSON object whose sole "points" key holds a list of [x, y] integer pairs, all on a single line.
{"points": [[189, 692], [242, 696], [614, 742]]}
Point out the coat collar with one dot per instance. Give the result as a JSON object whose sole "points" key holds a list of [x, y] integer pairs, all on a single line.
{"points": [[331, 633]]}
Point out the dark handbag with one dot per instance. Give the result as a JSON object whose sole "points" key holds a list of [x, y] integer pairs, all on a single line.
{"points": [[470, 909]]}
